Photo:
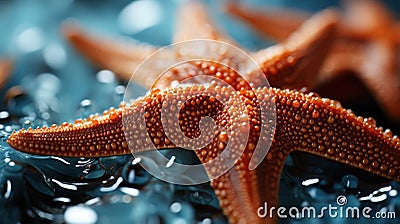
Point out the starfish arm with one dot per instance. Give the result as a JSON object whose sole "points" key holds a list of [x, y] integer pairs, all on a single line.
{"points": [[323, 127], [5, 71], [379, 70], [107, 130], [397, 33], [193, 22], [365, 18], [121, 58], [304, 122], [291, 58], [338, 77], [380, 74], [344, 56], [274, 24], [313, 125], [296, 62]]}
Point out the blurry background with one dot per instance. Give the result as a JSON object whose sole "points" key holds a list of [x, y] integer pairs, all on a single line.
{"points": [[59, 85], [30, 35]]}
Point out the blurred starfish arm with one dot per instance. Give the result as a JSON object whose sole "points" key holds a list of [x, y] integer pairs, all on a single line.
{"points": [[380, 74], [344, 57], [5, 71], [193, 22], [300, 57], [123, 58], [276, 24]]}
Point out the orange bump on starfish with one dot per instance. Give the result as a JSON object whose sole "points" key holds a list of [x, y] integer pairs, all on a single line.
{"points": [[367, 45], [300, 55]]}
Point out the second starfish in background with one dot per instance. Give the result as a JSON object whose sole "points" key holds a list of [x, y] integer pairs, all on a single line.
{"points": [[367, 45]]}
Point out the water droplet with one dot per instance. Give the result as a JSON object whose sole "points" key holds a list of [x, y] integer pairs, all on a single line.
{"points": [[114, 185], [175, 207], [170, 162], [86, 108], [135, 174], [105, 76], [7, 189], [130, 191], [119, 93], [379, 198], [46, 116], [336, 103], [13, 167], [370, 121], [139, 15], [55, 56], [206, 221], [4, 115], [48, 86], [388, 133], [310, 182], [80, 214], [350, 181], [313, 94], [27, 124], [31, 39], [62, 199], [393, 193]]}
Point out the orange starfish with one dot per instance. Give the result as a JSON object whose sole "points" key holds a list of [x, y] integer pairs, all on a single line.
{"points": [[303, 122], [367, 45], [301, 55]]}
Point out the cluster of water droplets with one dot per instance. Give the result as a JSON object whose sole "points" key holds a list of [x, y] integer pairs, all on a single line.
{"points": [[310, 181]]}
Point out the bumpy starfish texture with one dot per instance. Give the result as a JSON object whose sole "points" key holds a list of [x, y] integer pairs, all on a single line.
{"points": [[304, 122], [367, 45], [302, 53]]}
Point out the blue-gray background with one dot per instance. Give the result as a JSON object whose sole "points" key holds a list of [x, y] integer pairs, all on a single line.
{"points": [[38, 21], [58, 79]]}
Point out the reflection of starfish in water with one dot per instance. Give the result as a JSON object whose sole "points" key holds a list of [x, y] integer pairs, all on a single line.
{"points": [[367, 46], [303, 122]]}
